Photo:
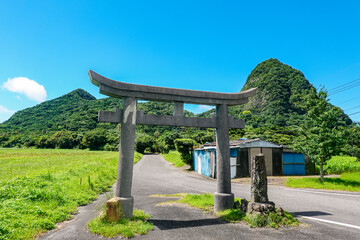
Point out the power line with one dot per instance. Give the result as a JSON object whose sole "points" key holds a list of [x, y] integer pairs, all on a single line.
{"points": [[344, 84], [354, 113], [345, 87], [352, 108]]}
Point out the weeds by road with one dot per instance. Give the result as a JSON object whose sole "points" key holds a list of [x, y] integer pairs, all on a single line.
{"points": [[346, 182], [39, 188], [174, 157], [205, 202]]}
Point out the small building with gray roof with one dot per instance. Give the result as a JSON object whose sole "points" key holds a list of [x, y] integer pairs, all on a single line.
{"points": [[279, 160]]}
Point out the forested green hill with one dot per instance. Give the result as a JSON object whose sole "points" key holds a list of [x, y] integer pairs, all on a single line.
{"points": [[71, 120], [274, 112]]}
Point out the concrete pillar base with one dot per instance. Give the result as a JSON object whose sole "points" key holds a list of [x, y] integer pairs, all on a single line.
{"points": [[223, 201], [118, 207], [127, 206]]}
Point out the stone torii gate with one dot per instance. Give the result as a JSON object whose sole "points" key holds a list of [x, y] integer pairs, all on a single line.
{"points": [[129, 117]]}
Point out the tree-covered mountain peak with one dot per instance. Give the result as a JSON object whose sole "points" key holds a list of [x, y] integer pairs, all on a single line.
{"points": [[269, 73], [79, 94]]}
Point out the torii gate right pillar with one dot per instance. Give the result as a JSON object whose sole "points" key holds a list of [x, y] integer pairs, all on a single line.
{"points": [[223, 198]]}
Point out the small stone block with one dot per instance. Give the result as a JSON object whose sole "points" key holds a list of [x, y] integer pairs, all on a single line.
{"points": [[113, 209], [260, 207]]}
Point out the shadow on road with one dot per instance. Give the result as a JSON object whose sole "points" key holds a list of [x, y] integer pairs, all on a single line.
{"points": [[311, 213], [174, 224]]}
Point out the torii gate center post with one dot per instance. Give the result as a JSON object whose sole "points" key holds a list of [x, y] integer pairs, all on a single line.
{"points": [[129, 117]]}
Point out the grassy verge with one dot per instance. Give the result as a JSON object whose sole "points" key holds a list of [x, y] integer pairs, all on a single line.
{"points": [[346, 182], [342, 164], [124, 227], [174, 158], [205, 202], [39, 188]]}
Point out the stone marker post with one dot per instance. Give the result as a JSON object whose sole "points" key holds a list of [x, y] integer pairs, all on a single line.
{"points": [[258, 179], [259, 196], [223, 198]]}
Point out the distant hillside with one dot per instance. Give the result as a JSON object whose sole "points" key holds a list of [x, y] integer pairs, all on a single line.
{"points": [[271, 114], [75, 111], [276, 103], [280, 88], [66, 121]]}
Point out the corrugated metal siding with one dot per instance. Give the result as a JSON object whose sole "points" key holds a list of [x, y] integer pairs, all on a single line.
{"points": [[293, 164], [233, 152], [201, 161], [233, 163], [195, 154]]}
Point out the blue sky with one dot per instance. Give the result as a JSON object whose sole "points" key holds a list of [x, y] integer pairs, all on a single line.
{"points": [[202, 45]]}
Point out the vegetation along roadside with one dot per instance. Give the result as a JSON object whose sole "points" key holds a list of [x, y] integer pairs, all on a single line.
{"points": [[205, 202], [125, 227], [349, 180], [41, 187]]}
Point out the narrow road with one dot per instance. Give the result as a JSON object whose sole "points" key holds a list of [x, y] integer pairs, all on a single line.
{"points": [[331, 215]]}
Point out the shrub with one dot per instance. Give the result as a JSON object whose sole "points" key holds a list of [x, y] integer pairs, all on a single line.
{"points": [[64, 139], [184, 146], [94, 139], [340, 164], [169, 138], [143, 142], [161, 147]]}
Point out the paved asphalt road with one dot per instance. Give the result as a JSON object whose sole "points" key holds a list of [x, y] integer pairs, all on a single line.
{"points": [[330, 215]]}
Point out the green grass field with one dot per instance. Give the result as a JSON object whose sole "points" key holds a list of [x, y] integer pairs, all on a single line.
{"points": [[175, 158], [39, 188], [346, 182], [349, 180]]}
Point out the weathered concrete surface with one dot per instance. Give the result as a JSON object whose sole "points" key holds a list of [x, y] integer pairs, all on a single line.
{"points": [[119, 89], [177, 120], [126, 158], [258, 179], [152, 175], [223, 198]]}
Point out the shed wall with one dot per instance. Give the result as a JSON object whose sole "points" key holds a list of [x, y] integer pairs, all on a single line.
{"points": [[268, 161], [204, 163], [293, 164]]}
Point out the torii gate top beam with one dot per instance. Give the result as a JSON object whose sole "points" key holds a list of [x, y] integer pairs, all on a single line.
{"points": [[119, 89]]}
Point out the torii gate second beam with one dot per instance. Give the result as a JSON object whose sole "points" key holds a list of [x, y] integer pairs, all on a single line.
{"points": [[129, 117]]}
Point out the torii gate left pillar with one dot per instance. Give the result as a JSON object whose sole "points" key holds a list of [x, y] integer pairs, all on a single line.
{"points": [[126, 157], [129, 118]]}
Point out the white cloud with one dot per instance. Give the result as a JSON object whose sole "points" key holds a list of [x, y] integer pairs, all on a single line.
{"points": [[203, 108], [5, 113], [30, 88], [5, 110]]}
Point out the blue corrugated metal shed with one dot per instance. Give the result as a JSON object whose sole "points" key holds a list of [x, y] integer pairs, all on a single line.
{"points": [[288, 162]]}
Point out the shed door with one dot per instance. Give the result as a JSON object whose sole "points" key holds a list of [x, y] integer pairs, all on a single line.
{"points": [[293, 164], [243, 163], [277, 163]]}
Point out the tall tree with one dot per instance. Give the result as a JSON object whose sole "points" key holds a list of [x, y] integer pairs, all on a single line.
{"points": [[322, 135]]}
